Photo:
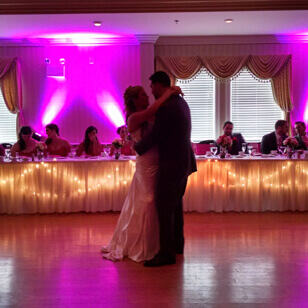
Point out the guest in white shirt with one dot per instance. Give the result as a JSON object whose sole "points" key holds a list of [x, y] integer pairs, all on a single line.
{"points": [[301, 137]]}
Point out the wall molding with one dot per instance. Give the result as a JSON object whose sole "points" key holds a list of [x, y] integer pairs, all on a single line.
{"points": [[68, 42], [162, 40], [147, 38], [231, 39]]}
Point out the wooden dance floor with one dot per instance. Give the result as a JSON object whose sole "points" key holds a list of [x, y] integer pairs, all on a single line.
{"points": [[230, 260]]}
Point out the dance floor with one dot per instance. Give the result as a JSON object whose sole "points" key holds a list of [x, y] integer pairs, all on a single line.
{"points": [[230, 260]]}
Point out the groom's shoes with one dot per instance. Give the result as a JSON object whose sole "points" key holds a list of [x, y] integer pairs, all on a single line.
{"points": [[159, 261]]}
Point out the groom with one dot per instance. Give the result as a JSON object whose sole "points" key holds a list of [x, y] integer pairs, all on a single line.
{"points": [[171, 133]]}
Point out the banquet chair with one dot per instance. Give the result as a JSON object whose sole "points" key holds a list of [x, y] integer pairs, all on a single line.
{"points": [[201, 149], [207, 141], [256, 146], [7, 145]]}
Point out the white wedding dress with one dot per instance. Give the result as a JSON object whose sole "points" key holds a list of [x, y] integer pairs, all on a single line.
{"points": [[137, 232]]}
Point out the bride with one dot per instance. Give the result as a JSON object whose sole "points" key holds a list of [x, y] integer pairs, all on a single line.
{"points": [[137, 232]]}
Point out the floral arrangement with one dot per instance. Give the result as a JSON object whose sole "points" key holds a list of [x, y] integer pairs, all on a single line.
{"points": [[117, 143], [41, 146], [224, 141], [291, 142]]}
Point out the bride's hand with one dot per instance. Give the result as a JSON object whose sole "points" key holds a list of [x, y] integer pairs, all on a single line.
{"points": [[175, 90]]}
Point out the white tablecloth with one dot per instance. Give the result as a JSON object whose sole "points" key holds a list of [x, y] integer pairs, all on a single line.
{"points": [[65, 186]]}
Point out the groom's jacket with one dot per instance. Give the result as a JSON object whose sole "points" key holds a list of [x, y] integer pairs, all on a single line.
{"points": [[171, 133]]}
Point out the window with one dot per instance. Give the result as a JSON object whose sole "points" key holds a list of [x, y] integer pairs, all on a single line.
{"points": [[7, 123], [199, 94], [253, 109]]}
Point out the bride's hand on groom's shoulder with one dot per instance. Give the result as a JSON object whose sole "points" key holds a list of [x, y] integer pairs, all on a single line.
{"points": [[176, 91]]}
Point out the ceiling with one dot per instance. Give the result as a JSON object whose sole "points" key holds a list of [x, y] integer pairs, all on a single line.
{"points": [[144, 6], [162, 24]]}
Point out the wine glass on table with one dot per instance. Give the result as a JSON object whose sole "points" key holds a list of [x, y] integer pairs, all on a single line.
{"points": [[73, 152], [7, 153], [213, 149], [250, 148], [107, 150], [281, 149], [244, 145]]}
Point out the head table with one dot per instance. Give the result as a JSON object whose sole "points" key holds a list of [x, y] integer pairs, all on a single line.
{"points": [[101, 184]]}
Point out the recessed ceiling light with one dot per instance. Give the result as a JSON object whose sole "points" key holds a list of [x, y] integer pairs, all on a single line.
{"points": [[228, 21], [97, 23]]}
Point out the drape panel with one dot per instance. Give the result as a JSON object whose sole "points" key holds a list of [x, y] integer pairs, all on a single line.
{"points": [[273, 67], [179, 67], [6, 64], [224, 67], [10, 83], [276, 68]]}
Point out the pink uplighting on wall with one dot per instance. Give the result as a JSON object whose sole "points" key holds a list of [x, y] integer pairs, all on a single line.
{"points": [[81, 38], [54, 106], [303, 106], [111, 109], [90, 94], [306, 113]]}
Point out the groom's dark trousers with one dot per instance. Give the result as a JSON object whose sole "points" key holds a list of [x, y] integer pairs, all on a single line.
{"points": [[171, 133]]}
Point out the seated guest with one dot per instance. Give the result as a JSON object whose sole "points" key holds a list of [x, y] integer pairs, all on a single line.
{"points": [[237, 139], [270, 142], [126, 149], [25, 146], [90, 145], [2, 151], [301, 137], [55, 144]]}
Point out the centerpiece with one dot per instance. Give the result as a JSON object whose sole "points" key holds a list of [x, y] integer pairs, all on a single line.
{"points": [[290, 143], [117, 144], [224, 142]]}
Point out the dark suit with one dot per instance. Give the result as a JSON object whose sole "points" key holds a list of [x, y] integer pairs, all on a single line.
{"points": [[302, 145], [2, 151], [236, 147], [269, 143], [171, 132]]}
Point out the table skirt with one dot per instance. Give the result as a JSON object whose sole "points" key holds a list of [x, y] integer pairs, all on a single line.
{"points": [[97, 186]]}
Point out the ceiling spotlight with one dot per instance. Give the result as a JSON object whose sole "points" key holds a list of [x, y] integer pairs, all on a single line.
{"points": [[176, 21], [228, 21], [62, 61], [97, 23]]}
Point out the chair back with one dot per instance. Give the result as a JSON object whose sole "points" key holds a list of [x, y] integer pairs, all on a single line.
{"points": [[256, 146], [201, 149], [7, 145]]}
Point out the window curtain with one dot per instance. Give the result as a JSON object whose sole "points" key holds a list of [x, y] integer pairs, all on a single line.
{"points": [[10, 84], [277, 68]]}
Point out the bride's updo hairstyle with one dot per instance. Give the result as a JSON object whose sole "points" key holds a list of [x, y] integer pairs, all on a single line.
{"points": [[131, 94]]}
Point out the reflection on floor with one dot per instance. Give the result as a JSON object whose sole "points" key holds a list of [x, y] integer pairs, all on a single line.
{"points": [[230, 260]]}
